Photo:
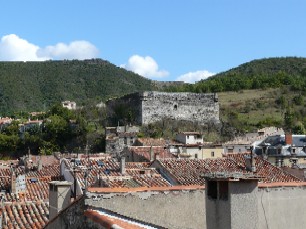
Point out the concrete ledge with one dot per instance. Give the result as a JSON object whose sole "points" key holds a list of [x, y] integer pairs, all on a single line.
{"points": [[145, 189], [281, 184]]}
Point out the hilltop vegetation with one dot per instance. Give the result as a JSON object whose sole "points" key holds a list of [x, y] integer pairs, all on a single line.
{"points": [[260, 93], [36, 86], [257, 74], [267, 92]]}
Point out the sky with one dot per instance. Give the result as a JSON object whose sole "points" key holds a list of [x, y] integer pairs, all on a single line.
{"points": [[158, 39]]}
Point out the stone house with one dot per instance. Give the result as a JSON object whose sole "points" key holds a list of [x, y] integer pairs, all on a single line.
{"points": [[117, 138]]}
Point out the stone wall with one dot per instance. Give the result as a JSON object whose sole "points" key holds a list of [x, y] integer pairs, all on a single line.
{"points": [[278, 207], [169, 209], [152, 106], [282, 207]]}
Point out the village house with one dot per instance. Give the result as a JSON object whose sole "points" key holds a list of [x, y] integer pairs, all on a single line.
{"points": [[70, 105], [283, 150], [116, 138]]}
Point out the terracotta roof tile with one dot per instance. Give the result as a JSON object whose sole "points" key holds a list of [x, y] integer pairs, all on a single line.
{"points": [[144, 151], [24, 215], [264, 169], [108, 172], [190, 171], [111, 221]]}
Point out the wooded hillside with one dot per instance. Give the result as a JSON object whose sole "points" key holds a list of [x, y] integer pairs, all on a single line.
{"points": [[35, 86]]}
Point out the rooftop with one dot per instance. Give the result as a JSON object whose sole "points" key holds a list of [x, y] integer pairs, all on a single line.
{"points": [[264, 169], [106, 173], [109, 220], [24, 215], [145, 151]]}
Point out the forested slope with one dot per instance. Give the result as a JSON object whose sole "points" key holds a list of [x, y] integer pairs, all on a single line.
{"points": [[34, 86]]}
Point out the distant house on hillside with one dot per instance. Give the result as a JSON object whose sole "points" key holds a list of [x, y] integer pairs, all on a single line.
{"points": [[69, 105], [29, 124]]}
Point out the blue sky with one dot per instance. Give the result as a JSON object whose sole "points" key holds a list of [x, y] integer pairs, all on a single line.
{"points": [[159, 39]]}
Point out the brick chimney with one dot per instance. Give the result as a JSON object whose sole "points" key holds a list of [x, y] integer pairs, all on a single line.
{"points": [[288, 138]]}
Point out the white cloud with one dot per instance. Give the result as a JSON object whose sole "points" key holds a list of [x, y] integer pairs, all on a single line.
{"points": [[14, 48], [192, 77], [75, 50], [144, 66]]}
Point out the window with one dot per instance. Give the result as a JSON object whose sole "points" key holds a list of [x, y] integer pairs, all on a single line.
{"points": [[223, 190], [212, 189], [212, 154], [217, 190], [175, 107], [196, 156]]}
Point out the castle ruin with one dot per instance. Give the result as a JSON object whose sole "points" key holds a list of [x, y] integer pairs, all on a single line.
{"points": [[151, 106]]}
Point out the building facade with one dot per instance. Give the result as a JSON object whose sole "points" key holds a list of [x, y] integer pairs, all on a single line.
{"points": [[151, 106]]}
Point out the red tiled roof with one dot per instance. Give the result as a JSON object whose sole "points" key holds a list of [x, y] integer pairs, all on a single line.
{"points": [[108, 221], [144, 151], [38, 190], [190, 171], [137, 174], [50, 170], [45, 160], [264, 169], [24, 215]]}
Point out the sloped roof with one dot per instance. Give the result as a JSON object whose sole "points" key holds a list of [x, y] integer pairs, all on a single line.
{"points": [[297, 140], [24, 215], [144, 151], [190, 171], [264, 169], [108, 170], [109, 220]]}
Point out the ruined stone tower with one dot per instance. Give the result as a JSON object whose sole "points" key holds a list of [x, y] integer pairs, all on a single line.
{"points": [[152, 106]]}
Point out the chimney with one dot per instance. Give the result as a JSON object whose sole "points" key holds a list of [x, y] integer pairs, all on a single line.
{"points": [[151, 154], [122, 165], [13, 181], [59, 197], [250, 163], [288, 138], [39, 165], [253, 167]]}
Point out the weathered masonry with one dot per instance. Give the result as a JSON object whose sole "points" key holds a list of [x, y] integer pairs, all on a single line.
{"points": [[151, 106]]}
